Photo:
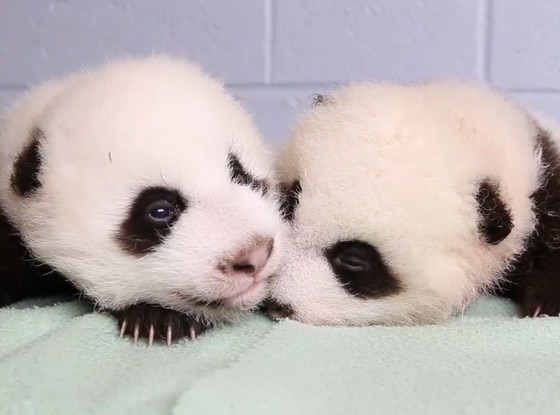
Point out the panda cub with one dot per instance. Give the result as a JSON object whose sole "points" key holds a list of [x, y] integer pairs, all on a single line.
{"points": [[406, 201], [145, 186]]}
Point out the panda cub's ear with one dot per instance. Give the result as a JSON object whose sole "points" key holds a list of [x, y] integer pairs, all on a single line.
{"points": [[26, 168], [289, 199], [319, 99], [494, 222]]}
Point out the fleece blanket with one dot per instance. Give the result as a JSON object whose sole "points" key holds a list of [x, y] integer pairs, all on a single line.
{"points": [[63, 358]]}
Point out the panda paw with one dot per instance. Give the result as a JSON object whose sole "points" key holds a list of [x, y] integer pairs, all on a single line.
{"points": [[540, 306], [541, 299], [155, 322], [8, 297]]}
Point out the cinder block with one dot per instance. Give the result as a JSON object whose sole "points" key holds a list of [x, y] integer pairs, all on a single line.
{"points": [[44, 38], [525, 48], [332, 40]]}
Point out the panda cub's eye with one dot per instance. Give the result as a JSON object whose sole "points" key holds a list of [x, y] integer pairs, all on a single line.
{"points": [[161, 210], [150, 219], [352, 261], [361, 270], [353, 256]]}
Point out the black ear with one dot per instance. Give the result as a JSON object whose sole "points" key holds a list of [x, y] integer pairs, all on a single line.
{"points": [[494, 222], [318, 99], [289, 199], [25, 174]]}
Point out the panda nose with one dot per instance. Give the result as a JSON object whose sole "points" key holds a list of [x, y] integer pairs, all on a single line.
{"points": [[249, 262]]}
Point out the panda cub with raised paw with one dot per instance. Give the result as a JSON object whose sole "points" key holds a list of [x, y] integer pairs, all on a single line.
{"points": [[406, 201], [146, 187]]}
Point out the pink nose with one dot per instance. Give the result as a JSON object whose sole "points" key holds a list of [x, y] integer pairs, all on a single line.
{"points": [[250, 262]]}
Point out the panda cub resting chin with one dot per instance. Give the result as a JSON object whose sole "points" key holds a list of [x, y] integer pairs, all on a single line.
{"points": [[146, 187], [406, 201]]}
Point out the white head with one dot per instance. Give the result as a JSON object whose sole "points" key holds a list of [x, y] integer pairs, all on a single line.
{"points": [[405, 202], [144, 181]]}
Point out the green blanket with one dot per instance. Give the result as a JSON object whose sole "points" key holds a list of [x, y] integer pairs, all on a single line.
{"points": [[65, 359]]}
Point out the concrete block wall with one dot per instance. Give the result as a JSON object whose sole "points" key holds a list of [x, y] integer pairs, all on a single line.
{"points": [[274, 54]]}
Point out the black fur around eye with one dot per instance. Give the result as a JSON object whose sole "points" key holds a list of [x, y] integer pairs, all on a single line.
{"points": [[361, 270], [150, 219], [239, 175], [289, 199]]}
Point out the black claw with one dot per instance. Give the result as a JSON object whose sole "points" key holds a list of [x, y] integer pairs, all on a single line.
{"points": [[161, 319]]}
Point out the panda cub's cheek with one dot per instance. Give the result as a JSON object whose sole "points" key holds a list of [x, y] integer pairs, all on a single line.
{"points": [[150, 219], [361, 270]]}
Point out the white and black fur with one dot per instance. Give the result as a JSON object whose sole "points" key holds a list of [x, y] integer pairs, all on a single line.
{"points": [[406, 201], [146, 186]]}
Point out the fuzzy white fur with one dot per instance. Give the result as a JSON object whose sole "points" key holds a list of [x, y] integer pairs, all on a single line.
{"points": [[109, 133], [398, 166]]}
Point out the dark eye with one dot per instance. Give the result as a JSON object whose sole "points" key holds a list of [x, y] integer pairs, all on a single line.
{"points": [[150, 219], [361, 270], [352, 261], [161, 211]]}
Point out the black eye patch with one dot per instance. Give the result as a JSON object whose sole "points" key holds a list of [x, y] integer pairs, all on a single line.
{"points": [[25, 175], [150, 219], [495, 222], [360, 269], [239, 175], [289, 199]]}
